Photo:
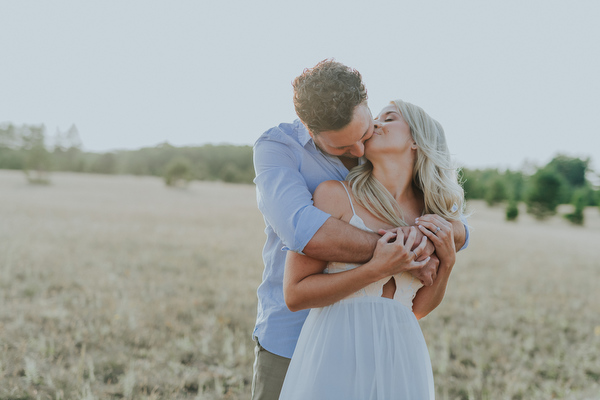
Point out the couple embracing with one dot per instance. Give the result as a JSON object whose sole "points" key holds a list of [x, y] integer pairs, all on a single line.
{"points": [[363, 218]]}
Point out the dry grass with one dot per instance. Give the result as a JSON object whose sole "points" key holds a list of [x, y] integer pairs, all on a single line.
{"points": [[521, 319], [118, 287]]}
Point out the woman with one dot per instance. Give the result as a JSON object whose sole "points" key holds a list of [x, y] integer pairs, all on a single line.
{"points": [[367, 344]]}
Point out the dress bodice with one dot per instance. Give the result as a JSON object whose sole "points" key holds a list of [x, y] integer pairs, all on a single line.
{"points": [[406, 284]]}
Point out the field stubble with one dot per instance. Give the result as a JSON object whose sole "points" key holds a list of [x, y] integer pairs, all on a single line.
{"points": [[118, 287]]}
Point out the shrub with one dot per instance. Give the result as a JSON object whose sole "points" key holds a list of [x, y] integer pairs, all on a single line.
{"points": [[178, 172], [512, 211], [579, 201]]}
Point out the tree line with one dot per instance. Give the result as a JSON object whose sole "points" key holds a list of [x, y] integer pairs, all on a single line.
{"points": [[564, 180], [29, 148]]}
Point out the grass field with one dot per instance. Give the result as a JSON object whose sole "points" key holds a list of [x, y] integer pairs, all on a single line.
{"points": [[117, 287]]}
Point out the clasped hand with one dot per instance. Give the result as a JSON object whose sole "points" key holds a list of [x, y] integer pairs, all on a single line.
{"points": [[441, 234], [397, 251], [427, 254]]}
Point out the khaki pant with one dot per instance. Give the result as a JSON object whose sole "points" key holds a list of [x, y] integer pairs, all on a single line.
{"points": [[269, 373]]}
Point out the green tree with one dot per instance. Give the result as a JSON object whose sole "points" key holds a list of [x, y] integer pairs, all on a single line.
{"points": [[544, 195], [11, 154], [11, 158], [572, 172], [38, 160], [230, 173], [67, 154], [104, 164], [515, 183], [572, 169], [9, 136], [474, 182], [496, 191]]}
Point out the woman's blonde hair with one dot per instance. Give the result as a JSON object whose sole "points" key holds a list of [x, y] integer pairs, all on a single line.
{"points": [[434, 173]]}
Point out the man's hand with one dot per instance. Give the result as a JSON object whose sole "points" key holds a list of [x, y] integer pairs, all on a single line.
{"points": [[427, 273], [393, 255]]}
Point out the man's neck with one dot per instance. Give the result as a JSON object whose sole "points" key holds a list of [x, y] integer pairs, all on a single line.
{"points": [[349, 162]]}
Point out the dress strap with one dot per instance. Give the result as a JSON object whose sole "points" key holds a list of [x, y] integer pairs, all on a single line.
{"points": [[349, 198]]}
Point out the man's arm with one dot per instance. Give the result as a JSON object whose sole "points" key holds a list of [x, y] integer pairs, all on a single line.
{"points": [[306, 286], [337, 240], [283, 196], [459, 229], [286, 203], [331, 197]]}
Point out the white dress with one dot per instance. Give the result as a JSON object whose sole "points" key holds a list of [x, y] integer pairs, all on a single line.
{"points": [[364, 347]]}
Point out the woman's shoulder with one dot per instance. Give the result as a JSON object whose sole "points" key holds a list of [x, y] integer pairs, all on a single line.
{"points": [[331, 197]]}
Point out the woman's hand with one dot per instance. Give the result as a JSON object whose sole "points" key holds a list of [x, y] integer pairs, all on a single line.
{"points": [[392, 257], [441, 234], [428, 272]]}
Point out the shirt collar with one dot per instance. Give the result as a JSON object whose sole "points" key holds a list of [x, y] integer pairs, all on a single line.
{"points": [[303, 135]]}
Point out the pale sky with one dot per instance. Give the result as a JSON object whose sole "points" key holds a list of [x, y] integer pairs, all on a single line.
{"points": [[510, 81]]}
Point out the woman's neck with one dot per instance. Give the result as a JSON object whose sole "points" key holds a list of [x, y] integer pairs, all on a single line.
{"points": [[397, 178]]}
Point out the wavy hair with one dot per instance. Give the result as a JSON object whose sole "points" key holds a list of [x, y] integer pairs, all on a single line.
{"points": [[434, 174], [326, 96]]}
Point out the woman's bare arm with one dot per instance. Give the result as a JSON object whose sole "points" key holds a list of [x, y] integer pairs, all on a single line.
{"points": [[428, 298], [337, 240], [306, 286]]}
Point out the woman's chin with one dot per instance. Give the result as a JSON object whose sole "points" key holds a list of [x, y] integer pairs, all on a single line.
{"points": [[370, 151]]}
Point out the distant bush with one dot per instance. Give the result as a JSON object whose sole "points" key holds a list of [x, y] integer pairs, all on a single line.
{"points": [[178, 172], [544, 195], [591, 196], [579, 202], [512, 211]]}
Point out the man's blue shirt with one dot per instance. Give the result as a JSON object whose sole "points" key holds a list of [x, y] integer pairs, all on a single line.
{"points": [[288, 169]]}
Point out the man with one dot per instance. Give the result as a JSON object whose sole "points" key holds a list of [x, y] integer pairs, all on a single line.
{"points": [[290, 161]]}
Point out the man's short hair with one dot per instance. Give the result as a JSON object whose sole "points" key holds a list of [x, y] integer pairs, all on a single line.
{"points": [[326, 96]]}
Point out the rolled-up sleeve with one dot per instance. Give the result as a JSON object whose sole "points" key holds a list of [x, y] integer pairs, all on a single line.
{"points": [[463, 219], [283, 196]]}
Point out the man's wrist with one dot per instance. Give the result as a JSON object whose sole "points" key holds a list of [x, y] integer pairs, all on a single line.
{"points": [[460, 234]]}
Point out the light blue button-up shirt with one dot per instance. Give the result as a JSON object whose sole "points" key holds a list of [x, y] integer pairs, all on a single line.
{"points": [[288, 169]]}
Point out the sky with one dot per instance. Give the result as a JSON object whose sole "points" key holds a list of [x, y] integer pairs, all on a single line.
{"points": [[514, 83]]}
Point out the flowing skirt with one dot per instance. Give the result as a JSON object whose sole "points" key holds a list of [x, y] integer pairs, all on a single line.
{"points": [[363, 348]]}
